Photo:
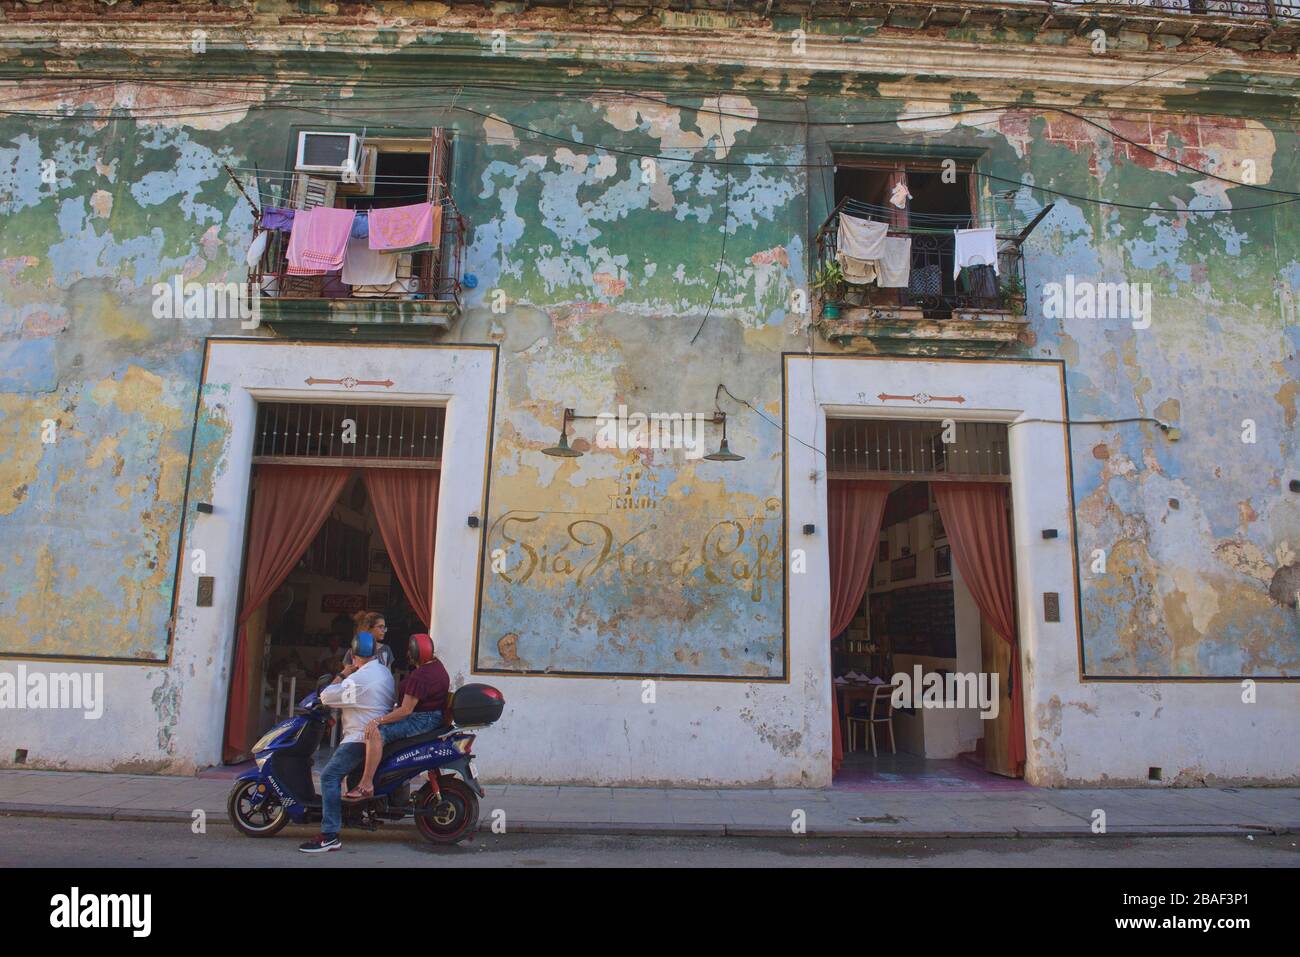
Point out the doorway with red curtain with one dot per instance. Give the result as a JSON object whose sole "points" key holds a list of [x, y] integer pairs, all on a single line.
{"points": [[331, 538], [922, 577]]}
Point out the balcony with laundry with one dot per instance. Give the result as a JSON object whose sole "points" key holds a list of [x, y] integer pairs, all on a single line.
{"points": [[360, 237], [902, 259]]}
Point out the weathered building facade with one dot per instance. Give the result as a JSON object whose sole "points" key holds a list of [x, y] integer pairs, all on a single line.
{"points": [[638, 206]]}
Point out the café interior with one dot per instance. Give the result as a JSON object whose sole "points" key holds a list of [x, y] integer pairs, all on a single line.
{"points": [[917, 609]]}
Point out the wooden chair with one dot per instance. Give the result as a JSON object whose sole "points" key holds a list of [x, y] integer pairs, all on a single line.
{"points": [[881, 712]]}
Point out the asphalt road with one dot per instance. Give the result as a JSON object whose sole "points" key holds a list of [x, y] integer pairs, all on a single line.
{"points": [[49, 842]]}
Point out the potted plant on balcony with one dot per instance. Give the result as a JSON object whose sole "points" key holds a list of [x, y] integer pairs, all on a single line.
{"points": [[1012, 295], [828, 282]]}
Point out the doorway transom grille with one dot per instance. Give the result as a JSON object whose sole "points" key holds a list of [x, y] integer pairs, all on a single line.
{"points": [[384, 436], [916, 449]]}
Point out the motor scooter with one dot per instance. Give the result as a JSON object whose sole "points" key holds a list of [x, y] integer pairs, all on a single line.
{"points": [[446, 807]]}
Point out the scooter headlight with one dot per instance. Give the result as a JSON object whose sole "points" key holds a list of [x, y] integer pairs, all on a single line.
{"points": [[266, 740]]}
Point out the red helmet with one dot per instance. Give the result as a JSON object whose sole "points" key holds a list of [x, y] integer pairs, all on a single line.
{"points": [[419, 650]]}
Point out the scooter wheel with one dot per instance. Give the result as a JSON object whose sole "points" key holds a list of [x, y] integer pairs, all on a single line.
{"points": [[254, 818], [448, 819]]}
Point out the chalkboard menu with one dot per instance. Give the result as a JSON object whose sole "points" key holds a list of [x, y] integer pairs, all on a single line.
{"points": [[918, 620]]}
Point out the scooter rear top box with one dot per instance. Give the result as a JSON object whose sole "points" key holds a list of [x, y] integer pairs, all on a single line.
{"points": [[477, 704]]}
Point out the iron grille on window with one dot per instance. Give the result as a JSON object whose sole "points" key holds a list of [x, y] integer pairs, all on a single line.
{"points": [[312, 433], [866, 448]]}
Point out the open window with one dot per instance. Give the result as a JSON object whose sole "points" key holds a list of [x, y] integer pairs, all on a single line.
{"points": [[922, 202], [354, 171]]}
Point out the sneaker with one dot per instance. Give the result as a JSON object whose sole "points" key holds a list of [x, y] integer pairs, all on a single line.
{"points": [[321, 843]]}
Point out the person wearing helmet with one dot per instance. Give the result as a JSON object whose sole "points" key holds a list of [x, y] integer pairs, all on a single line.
{"points": [[421, 700], [363, 692]]}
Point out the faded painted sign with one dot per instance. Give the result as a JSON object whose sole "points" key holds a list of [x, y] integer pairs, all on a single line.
{"points": [[651, 584]]}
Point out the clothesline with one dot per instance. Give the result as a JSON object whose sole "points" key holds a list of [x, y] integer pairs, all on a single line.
{"points": [[270, 199], [942, 222]]}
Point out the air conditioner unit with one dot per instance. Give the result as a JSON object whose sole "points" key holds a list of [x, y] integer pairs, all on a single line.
{"points": [[323, 152]]}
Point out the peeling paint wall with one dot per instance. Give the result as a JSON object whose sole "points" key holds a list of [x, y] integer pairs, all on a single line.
{"points": [[593, 276]]}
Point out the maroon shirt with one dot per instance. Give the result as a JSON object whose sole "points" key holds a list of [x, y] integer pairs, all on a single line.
{"points": [[429, 685]]}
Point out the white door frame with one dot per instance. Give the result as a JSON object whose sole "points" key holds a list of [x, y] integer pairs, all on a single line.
{"points": [[237, 372], [1027, 395]]}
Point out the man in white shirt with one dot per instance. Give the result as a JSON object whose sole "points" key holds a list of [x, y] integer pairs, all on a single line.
{"points": [[364, 692]]}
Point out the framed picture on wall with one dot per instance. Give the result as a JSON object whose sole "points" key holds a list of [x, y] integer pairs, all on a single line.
{"points": [[379, 561], [936, 526], [943, 561], [377, 600], [901, 569]]}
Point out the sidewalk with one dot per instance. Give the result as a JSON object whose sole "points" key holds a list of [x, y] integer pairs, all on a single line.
{"points": [[1029, 812]]}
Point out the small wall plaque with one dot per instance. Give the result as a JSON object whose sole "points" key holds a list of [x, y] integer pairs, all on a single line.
{"points": [[1051, 606], [206, 584]]}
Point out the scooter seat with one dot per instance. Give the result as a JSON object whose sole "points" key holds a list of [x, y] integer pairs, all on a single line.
{"points": [[403, 743]]}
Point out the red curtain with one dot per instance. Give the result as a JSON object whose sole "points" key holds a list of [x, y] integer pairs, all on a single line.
{"points": [[854, 510], [290, 503], [975, 515], [406, 506]]}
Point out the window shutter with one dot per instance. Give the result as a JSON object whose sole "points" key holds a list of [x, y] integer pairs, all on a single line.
{"points": [[308, 192]]}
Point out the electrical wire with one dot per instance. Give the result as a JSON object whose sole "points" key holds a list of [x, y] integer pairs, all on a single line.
{"points": [[890, 120], [863, 122], [722, 254], [896, 119], [776, 425], [1164, 426]]}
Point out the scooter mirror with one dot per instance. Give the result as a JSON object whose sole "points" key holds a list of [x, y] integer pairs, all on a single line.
{"points": [[322, 682]]}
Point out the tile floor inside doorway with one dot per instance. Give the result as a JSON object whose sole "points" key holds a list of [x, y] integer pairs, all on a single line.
{"points": [[910, 772]]}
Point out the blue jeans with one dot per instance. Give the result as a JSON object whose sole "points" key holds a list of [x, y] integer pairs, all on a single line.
{"points": [[346, 757], [417, 722]]}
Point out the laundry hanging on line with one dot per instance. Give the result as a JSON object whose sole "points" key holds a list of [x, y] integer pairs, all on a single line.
{"points": [[974, 247], [859, 247], [363, 266], [861, 239], [276, 217], [318, 242], [401, 227], [895, 267]]}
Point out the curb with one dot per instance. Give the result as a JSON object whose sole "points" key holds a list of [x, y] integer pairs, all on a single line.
{"points": [[662, 829]]}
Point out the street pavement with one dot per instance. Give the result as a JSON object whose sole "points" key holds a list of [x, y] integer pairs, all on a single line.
{"points": [[741, 812], [79, 844]]}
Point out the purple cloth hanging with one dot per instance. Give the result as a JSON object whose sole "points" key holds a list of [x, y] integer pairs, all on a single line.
{"points": [[274, 217]]}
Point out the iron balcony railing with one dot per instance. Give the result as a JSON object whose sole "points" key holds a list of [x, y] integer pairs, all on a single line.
{"points": [[427, 274], [1252, 9], [932, 287]]}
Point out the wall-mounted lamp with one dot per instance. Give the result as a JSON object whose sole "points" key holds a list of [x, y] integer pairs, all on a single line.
{"points": [[724, 453], [204, 507], [563, 450]]}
